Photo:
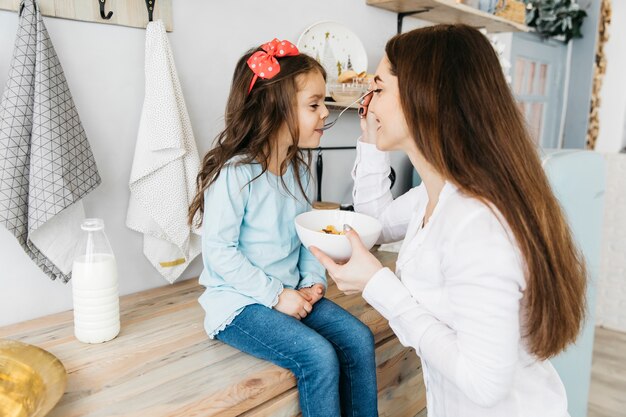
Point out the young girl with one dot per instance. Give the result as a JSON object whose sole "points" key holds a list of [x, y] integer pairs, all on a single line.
{"points": [[264, 290]]}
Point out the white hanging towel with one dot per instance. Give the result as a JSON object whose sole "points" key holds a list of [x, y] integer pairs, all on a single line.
{"points": [[166, 163], [47, 163]]}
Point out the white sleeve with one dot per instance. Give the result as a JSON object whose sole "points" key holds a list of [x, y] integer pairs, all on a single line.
{"points": [[372, 194], [483, 284]]}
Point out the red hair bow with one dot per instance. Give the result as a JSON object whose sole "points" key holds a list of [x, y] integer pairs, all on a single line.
{"points": [[264, 63]]}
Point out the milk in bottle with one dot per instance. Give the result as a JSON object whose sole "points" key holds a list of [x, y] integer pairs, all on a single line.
{"points": [[94, 286]]}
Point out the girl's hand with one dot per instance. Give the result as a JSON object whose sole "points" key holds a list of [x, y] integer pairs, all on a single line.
{"points": [[353, 276], [292, 303], [314, 293]]}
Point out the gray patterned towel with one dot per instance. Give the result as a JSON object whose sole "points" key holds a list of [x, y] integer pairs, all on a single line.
{"points": [[47, 164]]}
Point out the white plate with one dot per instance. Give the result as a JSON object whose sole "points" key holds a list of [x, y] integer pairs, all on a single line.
{"points": [[343, 43]]}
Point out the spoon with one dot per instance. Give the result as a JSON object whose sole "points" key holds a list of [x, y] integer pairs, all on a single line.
{"points": [[331, 124]]}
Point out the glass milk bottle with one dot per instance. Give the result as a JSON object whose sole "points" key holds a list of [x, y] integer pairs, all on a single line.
{"points": [[94, 286]]}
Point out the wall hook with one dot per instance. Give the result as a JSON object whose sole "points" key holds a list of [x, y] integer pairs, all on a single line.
{"points": [[102, 15], [150, 6]]}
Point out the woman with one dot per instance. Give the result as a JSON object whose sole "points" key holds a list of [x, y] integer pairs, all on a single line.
{"points": [[488, 282]]}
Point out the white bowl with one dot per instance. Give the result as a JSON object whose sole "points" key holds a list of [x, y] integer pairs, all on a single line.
{"points": [[309, 227]]}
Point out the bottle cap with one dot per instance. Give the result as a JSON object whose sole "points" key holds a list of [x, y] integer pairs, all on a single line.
{"points": [[91, 225]]}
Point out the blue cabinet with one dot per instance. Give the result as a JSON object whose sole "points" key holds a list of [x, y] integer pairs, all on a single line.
{"points": [[539, 72], [578, 180]]}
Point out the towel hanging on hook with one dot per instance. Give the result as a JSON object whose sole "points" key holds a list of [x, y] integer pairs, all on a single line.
{"points": [[102, 15], [150, 6], [22, 5]]}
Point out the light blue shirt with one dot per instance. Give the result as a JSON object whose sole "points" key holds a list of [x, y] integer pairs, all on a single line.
{"points": [[250, 248]]}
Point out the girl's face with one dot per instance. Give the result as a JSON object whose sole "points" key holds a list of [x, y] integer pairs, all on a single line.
{"points": [[392, 131], [311, 109]]}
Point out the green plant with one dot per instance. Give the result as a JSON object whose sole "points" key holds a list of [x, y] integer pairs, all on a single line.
{"points": [[562, 18]]}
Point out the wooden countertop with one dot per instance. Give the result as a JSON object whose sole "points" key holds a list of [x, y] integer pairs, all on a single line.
{"points": [[163, 364]]}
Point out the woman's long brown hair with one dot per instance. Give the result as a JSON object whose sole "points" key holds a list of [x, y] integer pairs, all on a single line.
{"points": [[465, 122], [252, 121]]}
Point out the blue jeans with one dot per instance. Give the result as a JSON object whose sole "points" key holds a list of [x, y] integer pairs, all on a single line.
{"points": [[330, 352]]}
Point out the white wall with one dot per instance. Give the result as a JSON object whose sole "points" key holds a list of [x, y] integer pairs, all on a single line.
{"points": [[611, 303], [104, 67], [611, 298], [612, 113]]}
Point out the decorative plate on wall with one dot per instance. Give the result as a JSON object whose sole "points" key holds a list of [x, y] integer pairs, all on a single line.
{"points": [[336, 47]]}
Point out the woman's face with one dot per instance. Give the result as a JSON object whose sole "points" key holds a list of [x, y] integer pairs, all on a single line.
{"points": [[311, 109], [392, 131]]}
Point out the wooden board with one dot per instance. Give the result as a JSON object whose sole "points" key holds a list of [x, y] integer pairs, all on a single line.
{"points": [[607, 392], [131, 13], [401, 390], [163, 364], [450, 11]]}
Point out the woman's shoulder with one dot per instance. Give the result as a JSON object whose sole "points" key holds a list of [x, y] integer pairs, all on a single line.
{"points": [[464, 205], [471, 216], [477, 232]]}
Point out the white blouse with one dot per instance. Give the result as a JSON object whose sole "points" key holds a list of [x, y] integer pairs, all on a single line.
{"points": [[455, 298]]}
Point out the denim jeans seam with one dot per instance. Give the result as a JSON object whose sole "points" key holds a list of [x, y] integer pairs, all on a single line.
{"points": [[349, 372], [286, 357]]}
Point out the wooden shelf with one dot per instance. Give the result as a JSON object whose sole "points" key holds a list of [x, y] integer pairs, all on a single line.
{"points": [[333, 105], [449, 11]]}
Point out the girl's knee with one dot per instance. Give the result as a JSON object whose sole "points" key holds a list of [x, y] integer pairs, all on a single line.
{"points": [[363, 336], [362, 346], [326, 354], [321, 359]]}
